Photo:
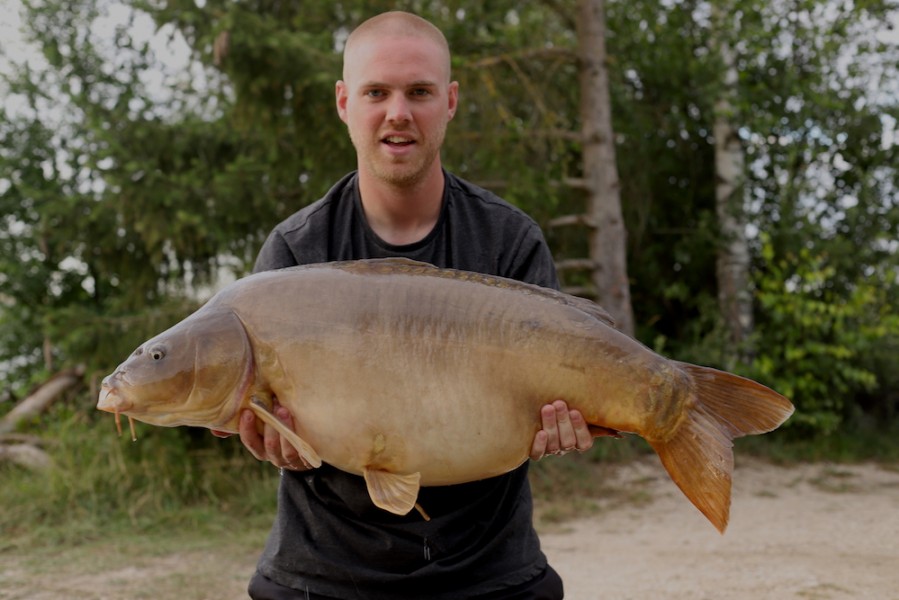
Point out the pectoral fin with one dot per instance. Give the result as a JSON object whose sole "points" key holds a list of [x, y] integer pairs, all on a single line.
{"points": [[394, 493], [306, 451]]}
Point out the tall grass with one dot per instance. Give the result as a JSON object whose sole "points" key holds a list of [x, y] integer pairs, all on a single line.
{"points": [[100, 483]]}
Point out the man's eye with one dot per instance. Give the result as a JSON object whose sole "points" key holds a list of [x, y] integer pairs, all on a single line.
{"points": [[375, 93], [421, 92]]}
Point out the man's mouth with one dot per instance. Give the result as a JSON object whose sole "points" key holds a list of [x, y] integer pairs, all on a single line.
{"points": [[397, 141]]}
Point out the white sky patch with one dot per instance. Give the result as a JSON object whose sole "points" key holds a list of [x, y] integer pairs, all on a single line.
{"points": [[889, 137], [172, 72], [14, 50], [11, 40]]}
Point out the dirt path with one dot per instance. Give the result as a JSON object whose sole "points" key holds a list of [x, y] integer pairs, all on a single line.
{"points": [[818, 532], [813, 532]]}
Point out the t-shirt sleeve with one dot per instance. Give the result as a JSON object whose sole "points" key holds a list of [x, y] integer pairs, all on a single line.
{"points": [[499, 238], [531, 261], [274, 254]]}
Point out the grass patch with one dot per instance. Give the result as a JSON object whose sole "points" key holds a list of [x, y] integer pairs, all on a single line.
{"points": [[570, 487], [565, 488], [214, 561], [101, 484], [835, 480], [858, 444], [177, 514]]}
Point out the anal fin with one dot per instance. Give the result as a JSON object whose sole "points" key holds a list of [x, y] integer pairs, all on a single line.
{"points": [[392, 492], [306, 451]]}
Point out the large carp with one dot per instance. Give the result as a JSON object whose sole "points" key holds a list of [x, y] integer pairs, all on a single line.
{"points": [[414, 376]]}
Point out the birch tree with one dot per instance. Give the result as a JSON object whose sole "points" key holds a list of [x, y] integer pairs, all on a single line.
{"points": [[733, 257]]}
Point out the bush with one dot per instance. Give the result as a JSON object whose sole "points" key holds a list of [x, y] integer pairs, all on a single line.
{"points": [[814, 337]]}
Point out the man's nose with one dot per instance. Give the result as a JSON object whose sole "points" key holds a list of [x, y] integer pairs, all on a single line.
{"points": [[398, 110]]}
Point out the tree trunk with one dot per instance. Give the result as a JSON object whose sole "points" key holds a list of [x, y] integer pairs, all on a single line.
{"points": [[733, 257], [608, 241]]}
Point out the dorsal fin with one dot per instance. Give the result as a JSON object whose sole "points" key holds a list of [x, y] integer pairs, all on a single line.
{"points": [[414, 267], [591, 308], [400, 261]]}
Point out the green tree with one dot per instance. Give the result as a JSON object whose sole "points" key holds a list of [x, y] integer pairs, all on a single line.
{"points": [[131, 198]]}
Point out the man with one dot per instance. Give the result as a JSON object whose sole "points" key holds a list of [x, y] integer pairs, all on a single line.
{"points": [[329, 540]]}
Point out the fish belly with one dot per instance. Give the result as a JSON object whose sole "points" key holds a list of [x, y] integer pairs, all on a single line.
{"points": [[459, 415]]}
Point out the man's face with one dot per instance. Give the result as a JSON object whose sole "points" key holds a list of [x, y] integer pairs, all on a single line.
{"points": [[396, 100]]}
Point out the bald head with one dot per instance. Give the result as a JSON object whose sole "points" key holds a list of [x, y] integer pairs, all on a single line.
{"points": [[393, 25]]}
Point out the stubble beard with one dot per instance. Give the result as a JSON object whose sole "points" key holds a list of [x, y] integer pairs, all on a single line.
{"points": [[402, 171]]}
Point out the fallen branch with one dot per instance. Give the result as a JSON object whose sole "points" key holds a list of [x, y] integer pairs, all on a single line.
{"points": [[21, 438], [40, 399], [26, 455]]}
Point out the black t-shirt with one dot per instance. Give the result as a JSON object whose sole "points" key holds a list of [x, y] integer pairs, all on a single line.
{"points": [[328, 537]]}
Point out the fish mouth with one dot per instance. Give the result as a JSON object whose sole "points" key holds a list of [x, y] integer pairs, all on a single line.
{"points": [[110, 401]]}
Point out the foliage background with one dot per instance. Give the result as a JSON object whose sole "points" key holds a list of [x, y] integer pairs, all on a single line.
{"points": [[131, 188]]}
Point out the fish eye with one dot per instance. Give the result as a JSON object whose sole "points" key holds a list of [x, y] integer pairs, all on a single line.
{"points": [[157, 353]]}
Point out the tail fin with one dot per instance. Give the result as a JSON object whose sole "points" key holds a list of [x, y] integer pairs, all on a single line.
{"points": [[698, 457]]}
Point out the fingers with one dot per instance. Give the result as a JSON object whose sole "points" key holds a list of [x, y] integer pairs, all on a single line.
{"points": [[563, 430], [268, 446], [538, 448], [583, 435], [567, 437], [250, 436], [289, 455]]}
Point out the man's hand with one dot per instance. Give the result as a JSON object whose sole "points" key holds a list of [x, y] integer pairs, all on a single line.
{"points": [[268, 445], [563, 431]]}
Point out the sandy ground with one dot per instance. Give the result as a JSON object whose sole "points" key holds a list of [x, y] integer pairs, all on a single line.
{"points": [[819, 532], [810, 532]]}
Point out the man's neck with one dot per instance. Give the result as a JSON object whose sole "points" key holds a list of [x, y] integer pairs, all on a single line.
{"points": [[402, 215]]}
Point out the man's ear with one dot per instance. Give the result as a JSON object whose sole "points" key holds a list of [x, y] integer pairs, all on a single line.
{"points": [[453, 96], [341, 96]]}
